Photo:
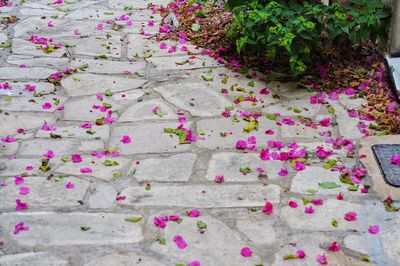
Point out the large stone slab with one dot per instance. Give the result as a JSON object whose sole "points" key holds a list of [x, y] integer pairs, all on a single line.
{"points": [[8, 148], [143, 110], [108, 45], [61, 28], [49, 229], [24, 47], [218, 245], [85, 106], [18, 88], [229, 164], [173, 168], [123, 259], [101, 13], [25, 73], [103, 197], [59, 63], [182, 62], [29, 104], [195, 98], [44, 193], [15, 167], [260, 232], [223, 133], [321, 219], [38, 147], [312, 176], [99, 170], [32, 259], [294, 108], [147, 138], [201, 196], [348, 126], [10, 123], [97, 132], [121, 4], [86, 84], [108, 66]]}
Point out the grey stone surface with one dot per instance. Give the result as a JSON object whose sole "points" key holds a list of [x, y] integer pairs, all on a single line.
{"points": [[64, 229], [143, 110], [123, 259], [147, 138], [210, 247], [260, 232], [229, 164], [312, 176], [103, 197], [32, 259], [44, 193], [86, 84], [201, 196], [25, 73], [100, 66], [176, 168]]}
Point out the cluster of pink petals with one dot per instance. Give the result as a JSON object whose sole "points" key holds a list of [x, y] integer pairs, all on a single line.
{"points": [[321, 259], [20, 227], [5, 86], [104, 153], [161, 222], [193, 213], [20, 205], [374, 229], [268, 208], [334, 247], [86, 170], [76, 158], [180, 242], [219, 179], [350, 216], [49, 154], [8, 139]]}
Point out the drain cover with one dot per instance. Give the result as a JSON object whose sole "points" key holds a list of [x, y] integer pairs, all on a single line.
{"points": [[383, 153]]}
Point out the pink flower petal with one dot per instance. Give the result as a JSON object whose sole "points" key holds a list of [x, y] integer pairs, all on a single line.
{"points": [[246, 252]]}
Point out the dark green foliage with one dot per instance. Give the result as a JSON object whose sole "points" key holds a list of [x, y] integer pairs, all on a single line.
{"points": [[295, 31]]}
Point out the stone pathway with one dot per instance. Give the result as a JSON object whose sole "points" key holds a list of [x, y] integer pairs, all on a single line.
{"points": [[113, 152]]}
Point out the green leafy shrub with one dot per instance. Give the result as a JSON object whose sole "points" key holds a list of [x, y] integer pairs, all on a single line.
{"points": [[296, 31]]}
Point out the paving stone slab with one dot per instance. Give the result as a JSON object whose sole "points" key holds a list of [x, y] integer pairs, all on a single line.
{"points": [[143, 110], [194, 97], [76, 132], [294, 108], [10, 123], [18, 89], [210, 247], [96, 164], [7, 149], [61, 28], [101, 13], [139, 46], [32, 259], [85, 106], [81, 84], [147, 138], [15, 73], [309, 243], [223, 133], [229, 164], [121, 4], [176, 168], [32, 61], [182, 62], [42, 11], [201, 196], [290, 90], [14, 167], [44, 193], [32, 104], [3, 39], [38, 147], [321, 219], [108, 66], [104, 197], [347, 125], [259, 232], [24, 47], [91, 145], [123, 259], [49, 229], [104, 45], [312, 176], [302, 131]]}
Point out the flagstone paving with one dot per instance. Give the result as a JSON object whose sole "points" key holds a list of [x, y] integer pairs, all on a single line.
{"points": [[121, 149]]}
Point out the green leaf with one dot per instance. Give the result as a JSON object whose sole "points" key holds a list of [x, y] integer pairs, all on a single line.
{"points": [[207, 77], [329, 185], [108, 93], [110, 163], [201, 225], [271, 117], [134, 219], [85, 228], [312, 191], [161, 240], [245, 170]]}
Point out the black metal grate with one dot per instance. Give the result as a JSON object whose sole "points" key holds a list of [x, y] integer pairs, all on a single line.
{"points": [[383, 153]]}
